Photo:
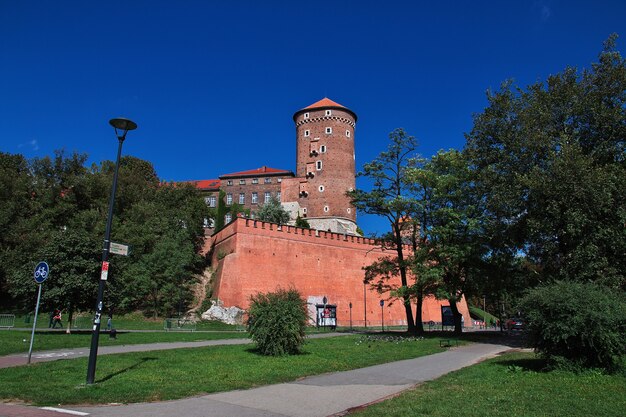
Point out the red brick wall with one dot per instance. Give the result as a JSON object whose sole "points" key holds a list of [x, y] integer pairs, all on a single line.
{"points": [[253, 256]]}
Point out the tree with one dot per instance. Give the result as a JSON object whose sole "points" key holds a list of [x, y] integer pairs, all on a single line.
{"points": [[390, 198], [550, 160], [273, 211], [449, 253], [302, 222]]}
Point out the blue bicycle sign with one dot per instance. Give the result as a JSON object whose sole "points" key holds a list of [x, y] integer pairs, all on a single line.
{"points": [[42, 270]]}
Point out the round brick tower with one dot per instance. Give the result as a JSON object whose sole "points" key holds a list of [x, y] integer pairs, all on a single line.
{"points": [[325, 165]]}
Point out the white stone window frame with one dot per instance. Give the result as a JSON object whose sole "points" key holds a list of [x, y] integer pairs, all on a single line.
{"points": [[328, 113], [323, 149], [321, 188], [306, 115], [318, 165], [326, 209], [307, 133], [328, 130], [348, 133]]}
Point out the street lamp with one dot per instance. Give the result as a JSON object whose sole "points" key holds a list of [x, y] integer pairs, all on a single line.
{"points": [[382, 315], [364, 304], [122, 126]]}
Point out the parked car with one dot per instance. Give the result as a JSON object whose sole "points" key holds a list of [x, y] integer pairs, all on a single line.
{"points": [[515, 325]]}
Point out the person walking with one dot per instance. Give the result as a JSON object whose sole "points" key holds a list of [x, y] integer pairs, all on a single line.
{"points": [[57, 319]]}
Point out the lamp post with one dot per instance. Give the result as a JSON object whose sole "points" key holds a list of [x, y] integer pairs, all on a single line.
{"points": [[382, 315], [364, 304], [350, 315], [122, 126]]}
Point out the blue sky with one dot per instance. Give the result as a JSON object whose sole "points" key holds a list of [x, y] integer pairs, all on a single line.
{"points": [[213, 85]]}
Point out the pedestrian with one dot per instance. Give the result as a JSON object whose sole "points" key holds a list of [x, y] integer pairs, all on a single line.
{"points": [[109, 322], [52, 314], [57, 319]]}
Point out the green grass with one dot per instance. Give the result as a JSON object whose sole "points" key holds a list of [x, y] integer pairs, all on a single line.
{"points": [[18, 341], [163, 375], [510, 386]]}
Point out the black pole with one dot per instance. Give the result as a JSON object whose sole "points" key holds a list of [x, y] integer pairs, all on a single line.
{"points": [[95, 335], [364, 305]]}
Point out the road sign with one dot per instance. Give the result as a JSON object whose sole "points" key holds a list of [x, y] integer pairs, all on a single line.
{"points": [[41, 272], [119, 249], [104, 274]]}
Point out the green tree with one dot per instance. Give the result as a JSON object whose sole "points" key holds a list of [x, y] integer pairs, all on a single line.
{"points": [[273, 211], [391, 198], [549, 160], [302, 222], [448, 257]]}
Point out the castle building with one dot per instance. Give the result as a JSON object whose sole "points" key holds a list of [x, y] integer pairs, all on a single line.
{"points": [[324, 263]]}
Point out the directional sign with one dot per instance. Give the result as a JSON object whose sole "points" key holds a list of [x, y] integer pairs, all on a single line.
{"points": [[119, 249], [104, 274], [41, 272]]}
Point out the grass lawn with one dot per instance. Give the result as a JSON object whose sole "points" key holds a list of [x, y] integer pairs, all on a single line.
{"points": [[163, 375], [18, 341], [511, 385]]}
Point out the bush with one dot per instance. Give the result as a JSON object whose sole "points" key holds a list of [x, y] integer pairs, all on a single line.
{"points": [[277, 321], [577, 325]]}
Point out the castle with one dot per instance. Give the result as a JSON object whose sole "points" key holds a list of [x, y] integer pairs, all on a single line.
{"points": [[324, 263]]}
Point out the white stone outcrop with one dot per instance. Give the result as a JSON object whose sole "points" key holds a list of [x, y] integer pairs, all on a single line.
{"points": [[228, 315]]}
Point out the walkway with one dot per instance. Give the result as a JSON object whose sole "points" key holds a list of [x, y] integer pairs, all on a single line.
{"points": [[316, 396]]}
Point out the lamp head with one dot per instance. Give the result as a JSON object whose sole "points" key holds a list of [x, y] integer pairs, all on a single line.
{"points": [[122, 126]]}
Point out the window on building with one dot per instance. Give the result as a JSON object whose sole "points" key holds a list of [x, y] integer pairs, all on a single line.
{"points": [[326, 209], [267, 197], [228, 218], [255, 198], [209, 223], [229, 199], [303, 210], [306, 115], [207, 200], [328, 112], [307, 133], [255, 180], [212, 201], [349, 210], [323, 149], [242, 182], [318, 165], [229, 182], [321, 188], [279, 180], [329, 130], [242, 198], [268, 180], [347, 133]]}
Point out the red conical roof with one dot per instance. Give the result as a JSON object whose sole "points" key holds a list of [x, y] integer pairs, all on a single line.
{"points": [[327, 104]]}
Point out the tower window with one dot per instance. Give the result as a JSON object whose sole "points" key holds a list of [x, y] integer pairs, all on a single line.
{"points": [[329, 112], [349, 210], [303, 210], [323, 149], [347, 133], [326, 209], [321, 188], [307, 133], [318, 165], [306, 115], [329, 130]]}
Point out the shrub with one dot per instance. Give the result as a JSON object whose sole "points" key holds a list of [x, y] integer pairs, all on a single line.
{"points": [[277, 321], [577, 325]]}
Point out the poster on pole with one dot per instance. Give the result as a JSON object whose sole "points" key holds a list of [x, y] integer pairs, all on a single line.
{"points": [[104, 274]]}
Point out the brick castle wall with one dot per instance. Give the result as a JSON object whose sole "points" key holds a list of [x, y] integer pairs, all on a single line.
{"points": [[252, 256]]}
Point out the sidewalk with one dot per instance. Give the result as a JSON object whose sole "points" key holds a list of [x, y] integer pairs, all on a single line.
{"points": [[316, 396]]}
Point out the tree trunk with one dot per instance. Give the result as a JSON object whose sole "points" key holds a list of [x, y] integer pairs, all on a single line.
{"points": [[458, 328], [403, 281], [419, 325], [70, 314]]}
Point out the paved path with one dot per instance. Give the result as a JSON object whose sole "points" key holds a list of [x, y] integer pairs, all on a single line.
{"points": [[323, 395]]}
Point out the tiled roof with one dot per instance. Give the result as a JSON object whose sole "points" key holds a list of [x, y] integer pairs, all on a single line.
{"points": [[324, 103], [263, 171], [206, 184]]}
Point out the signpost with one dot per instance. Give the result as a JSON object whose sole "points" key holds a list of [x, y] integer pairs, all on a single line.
{"points": [[42, 272], [119, 249]]}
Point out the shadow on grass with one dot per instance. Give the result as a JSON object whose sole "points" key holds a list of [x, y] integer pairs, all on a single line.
{"points": [[255, 351], [128, 368], [523, 364]]}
